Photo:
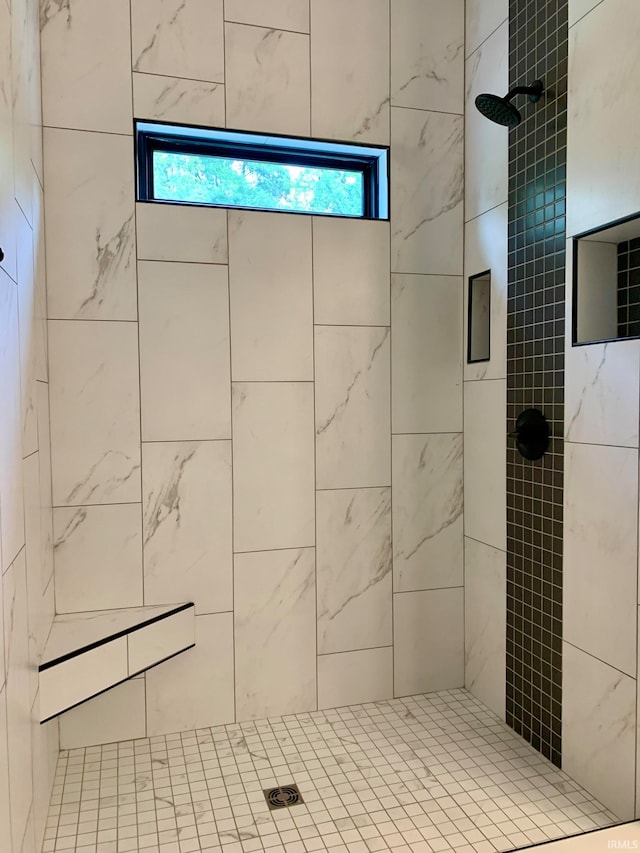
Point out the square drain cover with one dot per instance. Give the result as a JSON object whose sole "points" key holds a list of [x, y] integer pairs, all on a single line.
{"points": [[283, 797]]}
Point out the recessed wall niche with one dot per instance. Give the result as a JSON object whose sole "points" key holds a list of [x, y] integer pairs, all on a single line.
{"points": [[606, 283], [479, 318]]}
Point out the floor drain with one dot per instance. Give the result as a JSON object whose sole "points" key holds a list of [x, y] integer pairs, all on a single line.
{"points": [[282, 798]]}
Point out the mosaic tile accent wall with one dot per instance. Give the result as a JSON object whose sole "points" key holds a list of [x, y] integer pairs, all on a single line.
{"points": [[629, 288]]}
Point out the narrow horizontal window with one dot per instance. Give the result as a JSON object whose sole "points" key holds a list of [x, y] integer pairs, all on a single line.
{"points": [[190, 165]]}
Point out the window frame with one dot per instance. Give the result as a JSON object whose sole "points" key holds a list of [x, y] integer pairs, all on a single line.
{"points": [[371, 161]]}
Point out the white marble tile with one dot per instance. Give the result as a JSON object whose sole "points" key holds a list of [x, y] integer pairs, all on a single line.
{"points": [[353, 446], [86, 57], [184, 332], [23, 79], [602, 387], [186, 489], [170, 232], [267, 80], [427, 512], [174, 99], [271, 293], [350, 70], [602, 189], [354, 569], [354, 677], [428, 641], [10, 424], [40, 277], [482, 18], [178, 39], [485, 591], [117, 715], [280, 14], [601, 552], [485, 497], [44, 456], [599, 729], [273, 465], [195, 689], [486, 143], [427, 55], [98, 557], [89, 204], [160, 641], [5, 812], [351, 263], [426, 192], [7, 202], [275, 611], [27, 326], [45, 748], [95, 412], [426, 360], [485, 249], [579, 8]]}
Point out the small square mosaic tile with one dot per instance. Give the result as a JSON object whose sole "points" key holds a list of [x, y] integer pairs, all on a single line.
{"points": [[424, 774]]}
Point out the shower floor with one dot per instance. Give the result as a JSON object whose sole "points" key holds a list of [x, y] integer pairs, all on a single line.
{"points": [[426, 773]]}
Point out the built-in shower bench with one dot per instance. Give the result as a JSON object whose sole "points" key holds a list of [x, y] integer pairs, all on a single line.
{"points": [[88, 653]]}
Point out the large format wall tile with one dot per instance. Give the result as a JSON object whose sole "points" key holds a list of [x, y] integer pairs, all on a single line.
{"points": [[86, 61], [350, 70], [178, 100], [427, 63], [176, 232], [186, 493], [44, 454], [428, 641], [95, 412], [118, 714], [27, 329], [350, 272], [599, 729], [7, 202], [353, 446], [485, 594], [89, 205], [482, 18], [178, 39], [270, 286], [273, 473], [426, 192], [26, 118], [354, 677], [275, 614], [601, 552], [5, 812], [98, 557], [354, 569], [267, 80], [426, 322], [279, 14], [427, 511], [184, 351]]}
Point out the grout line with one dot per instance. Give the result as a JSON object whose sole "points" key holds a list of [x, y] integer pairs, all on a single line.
{"points": [[271, 29], [486, 39]]}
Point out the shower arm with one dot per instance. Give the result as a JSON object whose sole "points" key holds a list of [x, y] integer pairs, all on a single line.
{"points": [[534, 92]]}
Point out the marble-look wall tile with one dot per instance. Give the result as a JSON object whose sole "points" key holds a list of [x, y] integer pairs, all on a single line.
{"points": [[195, 689], [601, 552], [45, 749], [354, 569], [579, 8], [426, 192], [351, 262], [117, 715], [426, 359], [5, 811], [482, 18], [267, 80], [44, 456], [174, 99], [353, 445], [427, 62], [599, 729], [186, 490], [485, 248], [428, 641], [7, 202], [184, 335], [24, 77], [95, 412], [280, 14], [486, 143], [271, 293], [273, 465], [354, 677], [485, 491], [39, 619], [98, 557], [275, 611], [178, 39], [86, 64], [350, 70], [427, 512], [174, 232], [485, 594], [40, 278], [27, 327], [89, 204]]}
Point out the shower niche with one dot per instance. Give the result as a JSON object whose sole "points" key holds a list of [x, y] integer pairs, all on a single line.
{"points": [[606, 283], [479, 318]]}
